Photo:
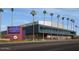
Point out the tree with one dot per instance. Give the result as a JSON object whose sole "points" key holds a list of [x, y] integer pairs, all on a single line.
{"points": [[76, 28], [44, 12], [71, 23], [58, 16], [67, 23], [12, 10], [62, 26], [62, 21], [33, 13], [1, 10], [51, 14]]}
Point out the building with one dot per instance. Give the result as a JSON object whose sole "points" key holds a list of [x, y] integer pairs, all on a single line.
{"points": [[41, 29], [50, 32]]}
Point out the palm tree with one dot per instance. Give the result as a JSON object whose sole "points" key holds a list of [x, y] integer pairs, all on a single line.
{"points": [[51, 14], [62, 26], [44, 12], [67, 23], [71, 23], [58, 16], [33, 13], [1, 10], [76, 28], [12, 10], [62, 21]]}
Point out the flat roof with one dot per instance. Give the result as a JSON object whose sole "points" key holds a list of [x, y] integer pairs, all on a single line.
{"points": [[36, 23]]}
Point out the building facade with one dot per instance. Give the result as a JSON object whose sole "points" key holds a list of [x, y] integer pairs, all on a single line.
{"points": [[49, 32]]}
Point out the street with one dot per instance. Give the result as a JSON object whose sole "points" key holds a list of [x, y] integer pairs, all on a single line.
{"points": [[42, 46]]}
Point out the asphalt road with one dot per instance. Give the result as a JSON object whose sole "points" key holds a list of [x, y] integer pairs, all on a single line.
{"points": [[42, 46]]}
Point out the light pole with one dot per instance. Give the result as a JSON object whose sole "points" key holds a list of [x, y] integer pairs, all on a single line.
{"points": [[44, 12], [1, 10], [12, 10], [58, 16], [33, 13], [51, 14]]}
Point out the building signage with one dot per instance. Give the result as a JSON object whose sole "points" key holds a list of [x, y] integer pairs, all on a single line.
{"points": [[14, 30]]}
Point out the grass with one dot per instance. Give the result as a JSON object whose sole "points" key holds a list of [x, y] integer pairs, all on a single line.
{"points": [[10, 41], [18, 41], [25, 41], [3, 41]]}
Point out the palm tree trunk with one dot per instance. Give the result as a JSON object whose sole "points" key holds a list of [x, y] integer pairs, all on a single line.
{"points": [[33, 28], [43, 27], [12, 19], [67, 24], [0, 23], [62, 28], [57, 27], [71, 25], [51, 26], [76, 29]]}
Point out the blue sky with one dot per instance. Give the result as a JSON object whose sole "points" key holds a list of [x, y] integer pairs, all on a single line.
{"points": [[23, 16]]}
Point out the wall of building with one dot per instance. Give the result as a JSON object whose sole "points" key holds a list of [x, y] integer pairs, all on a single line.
{"points": [[52, 30], [56, 33], [48, 23]]}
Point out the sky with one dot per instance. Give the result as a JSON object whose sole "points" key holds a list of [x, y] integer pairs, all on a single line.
{"points": [[23, 16]]}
